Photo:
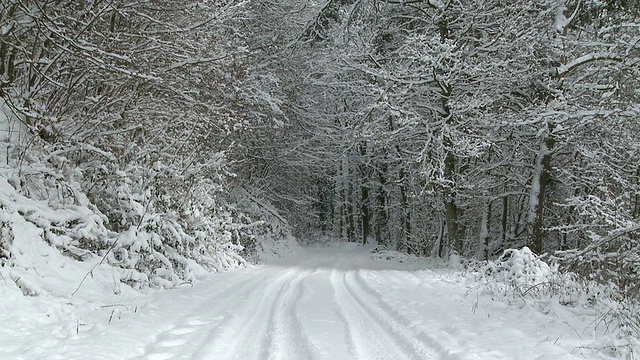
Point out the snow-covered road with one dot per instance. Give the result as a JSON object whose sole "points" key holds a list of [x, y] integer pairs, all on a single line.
{"points": [[316, 304]]}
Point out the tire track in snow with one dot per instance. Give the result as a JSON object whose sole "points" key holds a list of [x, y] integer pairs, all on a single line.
{"points": [[338, 297], [372, 301], [371, 338], [223, 299], [286, 338], [321, 319], [245, 336], [203, 317], [341, 313], [426, 313]]}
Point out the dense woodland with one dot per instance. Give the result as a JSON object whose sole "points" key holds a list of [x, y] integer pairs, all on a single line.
{"points": [[166, 136]]}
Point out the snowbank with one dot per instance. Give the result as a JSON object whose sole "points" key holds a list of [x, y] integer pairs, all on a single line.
{"points": [[524, 280]]}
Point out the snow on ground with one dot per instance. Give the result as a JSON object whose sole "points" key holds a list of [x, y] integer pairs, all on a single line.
{"points": [[319, 303]]}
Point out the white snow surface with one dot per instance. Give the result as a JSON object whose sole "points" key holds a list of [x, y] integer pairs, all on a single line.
{"points": [[341, 302]]}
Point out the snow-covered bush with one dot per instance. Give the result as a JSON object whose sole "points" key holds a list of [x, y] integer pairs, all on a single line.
{"points": [[164, 224], [613, 258], [128, 167], [6, 237], [521, 270], [155, 224], [520, 276], [262, 232]]}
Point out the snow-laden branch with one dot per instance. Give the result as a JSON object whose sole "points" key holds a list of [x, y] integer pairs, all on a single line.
{"points": [[612, 236], [196, 61], [562, 21], [437, 4], [565, 69]]}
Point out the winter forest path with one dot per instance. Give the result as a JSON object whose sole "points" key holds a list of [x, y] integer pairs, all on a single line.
{"points": [[318, 304]]}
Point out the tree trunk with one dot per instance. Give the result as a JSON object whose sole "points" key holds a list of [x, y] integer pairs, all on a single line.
{"points": [[505, 213], [450, 205], [7, 58], [484, 229], [351, 224], [341, 214], [364, 196], [364, 199], [441, 241], [636, 206], [381, 216], [405, 215], [538, 191]]}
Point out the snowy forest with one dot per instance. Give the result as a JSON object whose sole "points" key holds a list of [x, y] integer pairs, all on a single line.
{"points": [[167, 140]]}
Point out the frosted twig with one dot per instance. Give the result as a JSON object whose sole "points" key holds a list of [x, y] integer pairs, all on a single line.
{"points": [[95, 266]]}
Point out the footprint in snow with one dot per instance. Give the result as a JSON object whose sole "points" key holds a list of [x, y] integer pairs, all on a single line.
{"points": [[196, 322], [174, 342], [158, 356], [182, 331]]}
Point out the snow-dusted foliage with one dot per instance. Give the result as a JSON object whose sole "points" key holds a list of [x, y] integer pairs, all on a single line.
{"points": [[472, 128], [6, 238], [158, 225], [262, 231], [521, 277], [520, 271], [119, 121]]}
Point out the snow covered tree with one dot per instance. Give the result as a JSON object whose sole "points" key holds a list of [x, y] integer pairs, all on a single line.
{"points": [[135, 106], [598, 75], [450, 124]]}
